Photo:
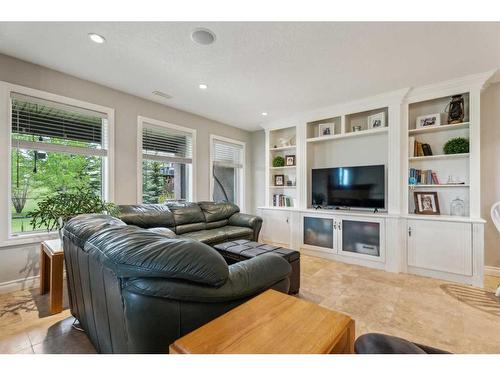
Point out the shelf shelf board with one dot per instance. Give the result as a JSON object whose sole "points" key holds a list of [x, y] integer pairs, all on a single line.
{"points": [[466, 219], [424, 186], [286, 167], [281, 187], [439, 157], [361, 133], [282, 148], [439, 128]]}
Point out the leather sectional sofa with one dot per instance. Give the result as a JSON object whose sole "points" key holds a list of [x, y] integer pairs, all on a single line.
{"points": [[208, 222], [135, 290]]}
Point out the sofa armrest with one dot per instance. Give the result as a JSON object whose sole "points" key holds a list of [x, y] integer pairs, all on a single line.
{"points": [[246, 278], [249, 221]]}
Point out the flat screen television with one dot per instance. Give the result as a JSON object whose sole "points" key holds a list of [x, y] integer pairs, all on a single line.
{"points": [[356, 187]]}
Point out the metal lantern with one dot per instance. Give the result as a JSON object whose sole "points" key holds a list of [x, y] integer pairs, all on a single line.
{"points": [[456, 110]]}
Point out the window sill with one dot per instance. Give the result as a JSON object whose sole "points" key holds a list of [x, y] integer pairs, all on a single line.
{"points": [[26, 239]]}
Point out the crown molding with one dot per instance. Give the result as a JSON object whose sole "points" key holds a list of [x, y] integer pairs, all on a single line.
{"points": [[450, 87]]}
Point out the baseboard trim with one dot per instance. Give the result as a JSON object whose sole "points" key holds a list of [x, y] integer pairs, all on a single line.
{"points": [[492, 271], [20, 284]]}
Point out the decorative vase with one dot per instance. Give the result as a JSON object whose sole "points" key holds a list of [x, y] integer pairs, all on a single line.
{"points": [[456, 110], [457, 207]]}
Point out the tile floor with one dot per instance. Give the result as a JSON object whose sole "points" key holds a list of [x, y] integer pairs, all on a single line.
{"points": [[453, 317]]}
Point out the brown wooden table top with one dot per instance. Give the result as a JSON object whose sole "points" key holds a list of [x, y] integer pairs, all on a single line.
{"points": [[273, 323]]}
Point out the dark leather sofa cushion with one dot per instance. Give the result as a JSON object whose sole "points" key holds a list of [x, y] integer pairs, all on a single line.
{"points": [[164, 232], [133, 252], [208, 236], [188, 217], [237, 232], [82, 227], [147, 215], [216, 211]]}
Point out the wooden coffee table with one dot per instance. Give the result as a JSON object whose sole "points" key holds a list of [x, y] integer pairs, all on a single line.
{"points": [[273, 323]]}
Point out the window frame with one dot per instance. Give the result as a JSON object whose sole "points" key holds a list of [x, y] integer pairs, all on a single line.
{"points": [[141, 120], [7, 238], [241, 196]]}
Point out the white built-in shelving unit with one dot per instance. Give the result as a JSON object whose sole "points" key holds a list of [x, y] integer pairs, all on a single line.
{"points": [[442, 246]]}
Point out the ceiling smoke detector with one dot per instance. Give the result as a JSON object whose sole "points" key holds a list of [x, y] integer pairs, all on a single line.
{"points": [[162, 94], [203, 36]]}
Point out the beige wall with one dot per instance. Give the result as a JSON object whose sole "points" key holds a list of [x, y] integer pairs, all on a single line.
{"points": [[490, 169], [19, 264], [127, 108]]}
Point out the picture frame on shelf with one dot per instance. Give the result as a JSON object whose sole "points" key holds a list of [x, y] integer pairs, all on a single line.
{"points": [[290, 160], [428, 120], [279, 180], [326, 129], [426, 203], [376, 121]]}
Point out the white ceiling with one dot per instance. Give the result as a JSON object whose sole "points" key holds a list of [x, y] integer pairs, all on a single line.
{"points": [[279, 68]]}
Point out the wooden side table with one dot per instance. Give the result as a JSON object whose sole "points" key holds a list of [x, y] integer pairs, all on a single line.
{"points": [[51, 273], [272, 323]]}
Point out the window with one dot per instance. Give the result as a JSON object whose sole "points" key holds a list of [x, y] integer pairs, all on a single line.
{"points": [[166, 162], [55, 147], [227, 165]]}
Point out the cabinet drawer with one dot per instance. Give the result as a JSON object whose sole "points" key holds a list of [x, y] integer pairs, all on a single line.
{"points": [[440, 246]]}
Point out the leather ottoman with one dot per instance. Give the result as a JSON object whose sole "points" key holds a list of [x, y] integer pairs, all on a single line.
{"points": [[236, 251]]}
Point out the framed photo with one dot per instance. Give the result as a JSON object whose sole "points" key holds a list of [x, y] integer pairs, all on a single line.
{"points": [[326, 129], [426, 203], [289, 160], [376, 121], [279, 180], [428, 120]]}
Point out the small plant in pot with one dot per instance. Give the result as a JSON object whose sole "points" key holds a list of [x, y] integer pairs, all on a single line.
{"points": [[54, 211], [457, 145], [278, 161]]}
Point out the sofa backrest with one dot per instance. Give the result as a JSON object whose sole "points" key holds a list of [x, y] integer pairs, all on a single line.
{"points": [[129, 251], [181, 217], [217, 214], [147, 215]]}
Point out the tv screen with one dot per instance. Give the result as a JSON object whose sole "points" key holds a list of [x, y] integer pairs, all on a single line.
{"points": [[360, 187]]}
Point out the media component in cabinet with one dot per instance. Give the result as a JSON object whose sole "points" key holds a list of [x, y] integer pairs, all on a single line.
{"points": [[361, 237], [318, 232]]}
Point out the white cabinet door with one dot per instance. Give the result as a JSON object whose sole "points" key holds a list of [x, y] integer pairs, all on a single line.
{"points": [[276, 227], [440, 246]]}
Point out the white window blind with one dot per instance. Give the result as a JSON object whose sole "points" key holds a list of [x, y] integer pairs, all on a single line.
{"points": [[39, 124], [166, 144], [227, 154]]}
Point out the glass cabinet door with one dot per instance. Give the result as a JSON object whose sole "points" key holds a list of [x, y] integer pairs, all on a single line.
{"points": [[361, 237], [318, 232]]}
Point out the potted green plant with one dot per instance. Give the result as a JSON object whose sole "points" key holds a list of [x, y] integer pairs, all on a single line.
{"points": [[278, 161], [457, 145], [55, 210]]}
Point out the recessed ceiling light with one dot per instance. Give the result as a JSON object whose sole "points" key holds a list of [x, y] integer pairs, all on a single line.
{"points": [[97, 38], [203, 36], [264, 113], [203, 86]]}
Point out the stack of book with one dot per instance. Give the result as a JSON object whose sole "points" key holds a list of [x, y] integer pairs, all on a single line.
{"points": [[416, 148], [423, 177], [281, 200]]}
